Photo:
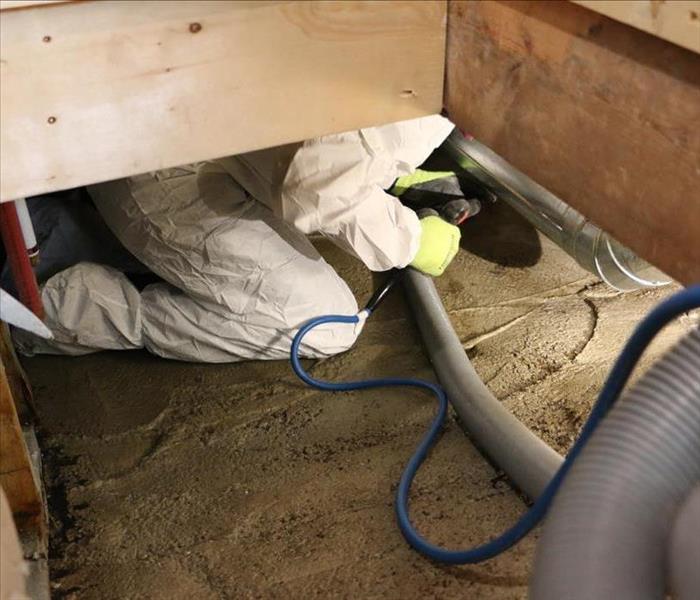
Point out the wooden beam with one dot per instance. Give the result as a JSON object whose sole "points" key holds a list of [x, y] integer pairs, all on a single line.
{"points": [[601, 114], [17, 476], [17, 379], [677, 21], [12, 565], [93, 91]]}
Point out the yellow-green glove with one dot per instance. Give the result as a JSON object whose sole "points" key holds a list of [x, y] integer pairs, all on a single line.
{"points": [[439, 243]]}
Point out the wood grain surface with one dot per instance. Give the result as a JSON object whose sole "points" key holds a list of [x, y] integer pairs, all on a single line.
{"points": [[603, 115], [93, 91]]}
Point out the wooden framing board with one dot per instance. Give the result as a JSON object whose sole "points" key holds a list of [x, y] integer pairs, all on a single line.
{"points": [[17, 477], [92, 91], [603, 115], [20, 469], [677, 21]]}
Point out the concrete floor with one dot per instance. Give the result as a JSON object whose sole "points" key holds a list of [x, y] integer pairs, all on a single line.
{"points": [[171, 480]]}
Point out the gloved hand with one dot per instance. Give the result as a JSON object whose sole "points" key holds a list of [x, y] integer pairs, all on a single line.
{"points": [[439, 243]]}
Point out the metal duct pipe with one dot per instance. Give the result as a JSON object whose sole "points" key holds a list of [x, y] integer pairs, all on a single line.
{"points": [[591, 247]]}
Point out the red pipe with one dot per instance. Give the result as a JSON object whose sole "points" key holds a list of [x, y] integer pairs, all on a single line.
{"points": [[18, 259]]}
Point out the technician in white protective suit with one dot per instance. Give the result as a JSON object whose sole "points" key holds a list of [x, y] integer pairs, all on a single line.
{"points": [[228, 237]]}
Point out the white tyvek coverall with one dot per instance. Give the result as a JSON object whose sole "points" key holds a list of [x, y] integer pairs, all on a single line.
{"points": [[228, 238]]}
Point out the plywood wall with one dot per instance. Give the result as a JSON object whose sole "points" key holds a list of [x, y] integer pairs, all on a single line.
{"points": [[605, 116]]}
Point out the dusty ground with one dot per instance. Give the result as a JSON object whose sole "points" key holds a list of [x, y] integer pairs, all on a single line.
{"points": [[170, 480]]}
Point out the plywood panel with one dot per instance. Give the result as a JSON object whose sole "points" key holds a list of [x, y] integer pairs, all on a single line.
{"points": [[603, 115], [93, 91]]}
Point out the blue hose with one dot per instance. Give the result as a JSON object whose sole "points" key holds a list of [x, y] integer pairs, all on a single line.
{"points": [[679, 303]]}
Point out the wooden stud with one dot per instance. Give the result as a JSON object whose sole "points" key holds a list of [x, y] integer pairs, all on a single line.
{"points": [[17, 476]]}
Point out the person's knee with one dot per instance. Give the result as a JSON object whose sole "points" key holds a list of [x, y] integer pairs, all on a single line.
{"points": [[330, 338]]}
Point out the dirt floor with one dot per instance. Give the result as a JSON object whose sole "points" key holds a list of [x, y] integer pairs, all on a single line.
{"points": [[171, 480]]}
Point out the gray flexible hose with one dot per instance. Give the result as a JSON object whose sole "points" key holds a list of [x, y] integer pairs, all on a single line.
{"points": [[607, 533], [684, 550], [526, 459]]}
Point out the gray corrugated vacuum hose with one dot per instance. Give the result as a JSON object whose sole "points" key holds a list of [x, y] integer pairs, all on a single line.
{"points": [[607, 533], [526, 459], [684, 551]]}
